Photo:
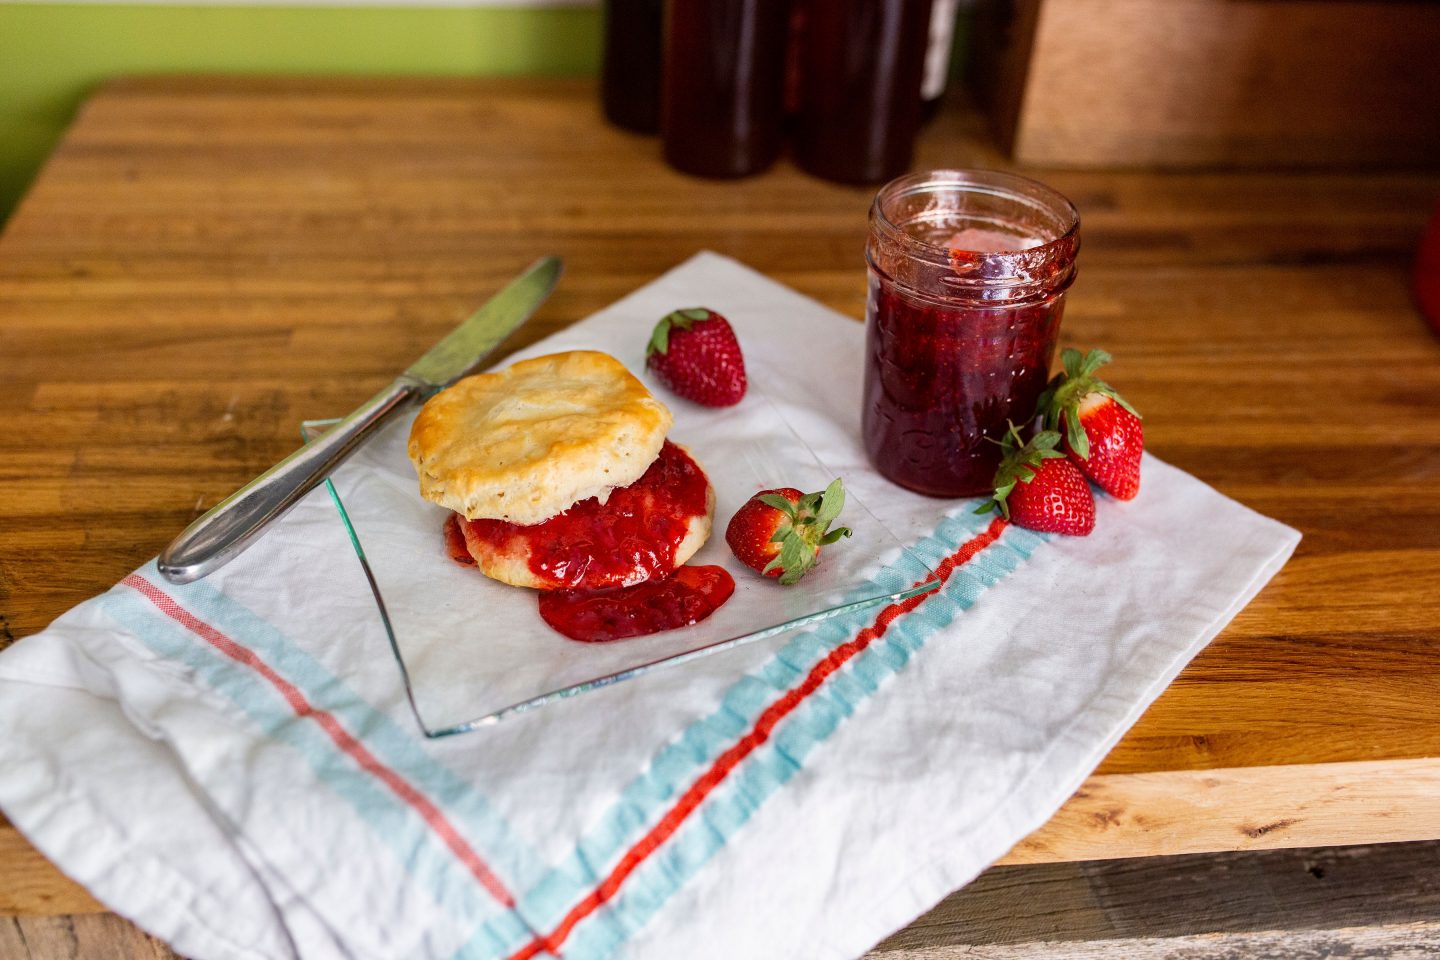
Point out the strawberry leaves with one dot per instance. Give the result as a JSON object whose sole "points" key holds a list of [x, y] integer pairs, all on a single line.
{"points": [[798, 527], [1020, 463], [804, 529], [681, 319], [1059, 405], [1087, 433], [1103, 433], [1038, 487]]}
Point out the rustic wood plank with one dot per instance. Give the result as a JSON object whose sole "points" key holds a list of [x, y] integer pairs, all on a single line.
{"points": [[97, 937], [1409, 942], [1156, 814], [1280, 902]]}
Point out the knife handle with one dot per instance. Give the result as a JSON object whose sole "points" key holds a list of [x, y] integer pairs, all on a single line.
{"points": [[234, 523]]}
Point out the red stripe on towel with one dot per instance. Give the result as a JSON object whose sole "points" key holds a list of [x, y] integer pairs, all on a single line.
{"points": [[759, 733], [341, 737]]}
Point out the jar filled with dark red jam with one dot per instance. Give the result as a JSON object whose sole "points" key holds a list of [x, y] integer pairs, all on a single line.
{"points": [[630, 66], [722, 97], [859, 69], [968, 273]]}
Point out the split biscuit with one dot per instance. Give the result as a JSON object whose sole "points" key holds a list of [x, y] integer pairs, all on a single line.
{"points": [[524, 443], [509, 560]]}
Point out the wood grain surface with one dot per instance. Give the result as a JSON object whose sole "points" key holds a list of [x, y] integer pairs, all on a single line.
{"points": [[204, 263], [1295, 904]]}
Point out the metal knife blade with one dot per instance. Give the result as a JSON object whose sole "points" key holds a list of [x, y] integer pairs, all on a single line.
{"points": [[237, 521]]}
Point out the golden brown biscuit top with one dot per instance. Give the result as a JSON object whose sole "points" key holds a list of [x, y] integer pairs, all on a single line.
{"points": [[524, 443]]}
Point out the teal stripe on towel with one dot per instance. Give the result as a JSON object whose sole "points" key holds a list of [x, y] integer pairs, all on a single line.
{"points": [[762, 773], [413, 843], [395, 743]]}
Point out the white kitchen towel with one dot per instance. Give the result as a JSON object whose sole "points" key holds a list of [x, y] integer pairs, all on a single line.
{"points": [[234, 766]]}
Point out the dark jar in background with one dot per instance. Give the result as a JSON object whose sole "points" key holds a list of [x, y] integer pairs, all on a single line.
{"points": [[630, 71], [968, 271], [722, 97], [860, 64]]}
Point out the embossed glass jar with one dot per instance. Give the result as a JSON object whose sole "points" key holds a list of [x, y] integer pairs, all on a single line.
{"points": [[968, 271]]}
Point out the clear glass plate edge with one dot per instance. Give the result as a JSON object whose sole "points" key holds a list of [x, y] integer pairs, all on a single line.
{"points": [[311, 428], [308, 430], [676, 659]]}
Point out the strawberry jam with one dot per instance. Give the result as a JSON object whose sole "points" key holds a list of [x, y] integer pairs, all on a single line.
{"points": [[610, 567], [942, 382], [687, 596], [968, 273], [455, 542], [631, 537]]}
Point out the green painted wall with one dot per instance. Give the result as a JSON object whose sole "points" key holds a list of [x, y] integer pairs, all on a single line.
{"points": [[52, 55]]}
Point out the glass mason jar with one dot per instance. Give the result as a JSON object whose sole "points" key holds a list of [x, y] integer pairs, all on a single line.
{"points": [[722, 94], [859, 66], [968, 273], [630, 66]]}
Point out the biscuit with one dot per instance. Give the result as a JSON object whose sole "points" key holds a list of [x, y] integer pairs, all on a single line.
{"points": [[524, 443]]}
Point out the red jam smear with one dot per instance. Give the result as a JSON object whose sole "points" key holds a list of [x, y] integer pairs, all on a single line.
{"points": [[630, 538], [687, 596], [941, 382], [455, 542]]}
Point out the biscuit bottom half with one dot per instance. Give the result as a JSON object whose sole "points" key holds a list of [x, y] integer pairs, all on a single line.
{"points": [[642, 531]]}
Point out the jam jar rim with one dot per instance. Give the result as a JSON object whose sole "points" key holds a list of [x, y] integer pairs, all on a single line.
{"points": [[1009, 277]]}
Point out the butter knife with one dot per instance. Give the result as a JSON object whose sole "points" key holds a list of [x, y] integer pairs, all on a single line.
{"points": [[235, 522]]}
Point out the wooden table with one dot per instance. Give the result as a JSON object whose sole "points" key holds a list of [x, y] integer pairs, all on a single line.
{"points": [[205, 263]]}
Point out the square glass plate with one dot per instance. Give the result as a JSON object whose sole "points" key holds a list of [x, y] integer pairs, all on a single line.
{"points": [[472, 651]]}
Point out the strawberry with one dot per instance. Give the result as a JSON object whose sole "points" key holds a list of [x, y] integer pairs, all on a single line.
{"points": [[780, 532], [694, 352], [1037, 487], [1103, 434]]}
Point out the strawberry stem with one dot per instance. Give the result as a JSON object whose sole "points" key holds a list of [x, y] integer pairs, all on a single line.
{"points": [[804, 529], [683, 319], [1059, 406], [1019, 464]]}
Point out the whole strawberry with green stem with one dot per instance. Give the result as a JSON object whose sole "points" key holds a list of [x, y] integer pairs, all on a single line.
{"points": [[694, 353], [1038, 487], [780, 532], [1102, 432]]}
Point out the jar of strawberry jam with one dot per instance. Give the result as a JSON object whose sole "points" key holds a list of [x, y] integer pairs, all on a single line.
{"points": [[968, 273]]}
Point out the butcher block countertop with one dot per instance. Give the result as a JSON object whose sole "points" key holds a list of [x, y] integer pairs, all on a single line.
{"points": [[204, 263]]}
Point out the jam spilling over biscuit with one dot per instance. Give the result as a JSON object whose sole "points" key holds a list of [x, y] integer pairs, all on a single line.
{"points": [[607, 568], [455, 542], [687, 596], [629, 538]]}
